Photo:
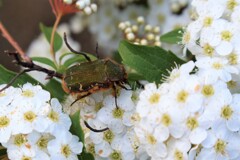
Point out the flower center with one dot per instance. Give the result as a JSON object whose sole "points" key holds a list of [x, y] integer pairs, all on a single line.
{"points": [[233, 59], [217, 65], [30, 116], [182, 96], [226, 112], [19, 140], [226, 35], [220, 146], [192, 123], [118, 113], [178, 155], [231, 4], [98, 106], [42, 142], [91, 148], [53, 116], [66, 151], [115, 155], [232, 84], [186, 38], [108, 136], [154, 98], [2, 94], [166, 119], [28, 93], [208, 50], [26, 158], [207, 21], [161, 18], [151, 139], [208, 90], [4, 121]]}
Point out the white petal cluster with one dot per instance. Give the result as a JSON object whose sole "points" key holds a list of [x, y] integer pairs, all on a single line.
{"points": [[119, 142], [189, 115], [33, 126], [214, 38]]}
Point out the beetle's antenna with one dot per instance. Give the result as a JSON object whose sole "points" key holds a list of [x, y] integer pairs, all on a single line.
{"points": [[74, 51], [95, 130]]}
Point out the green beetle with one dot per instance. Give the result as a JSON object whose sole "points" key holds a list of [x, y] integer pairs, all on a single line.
{"points": [[84, 78]]}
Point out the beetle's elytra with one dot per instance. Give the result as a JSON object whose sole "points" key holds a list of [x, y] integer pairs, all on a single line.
{"points": [[92, 76]]}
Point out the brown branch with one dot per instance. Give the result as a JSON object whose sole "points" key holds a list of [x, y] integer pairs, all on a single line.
{"points": [[15, 45]]}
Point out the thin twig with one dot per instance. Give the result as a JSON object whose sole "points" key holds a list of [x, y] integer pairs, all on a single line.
{"points": [[9, 38], [58, 18]]}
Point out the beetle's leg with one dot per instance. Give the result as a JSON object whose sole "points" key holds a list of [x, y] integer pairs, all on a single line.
{"points": [[78, 98], [14, 79], [97, 51], [115, 94], [122, 86], [74, 51], [94, 130]]}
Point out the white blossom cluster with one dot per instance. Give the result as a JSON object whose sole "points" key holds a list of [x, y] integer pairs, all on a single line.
{"points": [[214, 39], [119, 142], [85, 5], [33, 126], [195, 114]]}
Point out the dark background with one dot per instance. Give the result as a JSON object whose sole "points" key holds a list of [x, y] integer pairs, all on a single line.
{"points": [[22, 18]]}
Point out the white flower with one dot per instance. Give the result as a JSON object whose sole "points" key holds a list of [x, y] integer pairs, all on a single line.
{"points": [[223, 35], [32, 94], [29, 117], [65, 147], [56, 119], [215, 68], [178, 148], [117, 117], [220, 144], [8, 95]]}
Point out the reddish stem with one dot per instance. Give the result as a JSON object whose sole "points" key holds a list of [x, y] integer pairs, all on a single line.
{"points": [[15, 45]]}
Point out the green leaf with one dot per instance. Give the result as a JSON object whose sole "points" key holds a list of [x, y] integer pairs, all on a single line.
{"points": [[6, 76], [45, 60], [56, 90], [150, 62], [47, 31], [76, 129], [172, 37], [77, 58]]}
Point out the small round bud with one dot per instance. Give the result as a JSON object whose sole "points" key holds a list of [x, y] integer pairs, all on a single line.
{"points": [[143, 42], [140, 20], [94, 7], [156, 29], [87, 10], [134, 28], [80, 4], [122, 25], [128, 30], [150, 36], [87, 2], [68, 1], [175, 7], [157, 38], [148, 28], [157, 43], [130, 36]]}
